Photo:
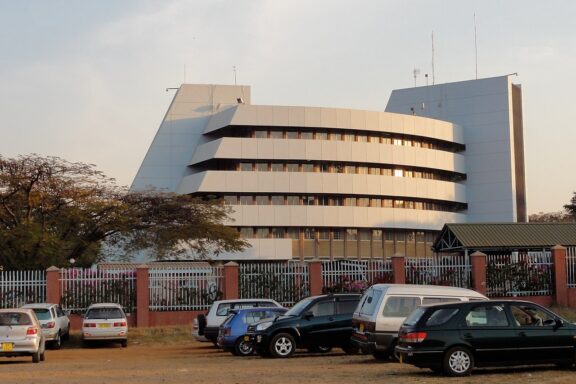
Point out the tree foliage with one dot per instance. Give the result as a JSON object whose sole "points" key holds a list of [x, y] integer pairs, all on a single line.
{"points": [[549, 217], [52, 210], [571, 208]]}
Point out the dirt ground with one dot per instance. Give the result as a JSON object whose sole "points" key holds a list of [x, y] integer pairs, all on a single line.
{"points": [[187, 362]]}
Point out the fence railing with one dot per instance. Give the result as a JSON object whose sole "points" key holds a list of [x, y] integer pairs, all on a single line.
{"points": [[184, 288], [20, 287], [354, 275], [450, 271], [571, 267], [519, 274], [82, 287], [285, 282]]}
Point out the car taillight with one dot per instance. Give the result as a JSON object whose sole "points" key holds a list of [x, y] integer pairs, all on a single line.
{"points": [[89, 325], [227, 331], [50, 324], [120, 324], [413, 337], [31, 331]]}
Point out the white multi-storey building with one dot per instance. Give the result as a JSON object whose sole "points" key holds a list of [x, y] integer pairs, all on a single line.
{"points": [[310, 182]]}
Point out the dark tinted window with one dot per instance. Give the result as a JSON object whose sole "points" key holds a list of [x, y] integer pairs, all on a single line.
{"points": [[300, 306], [441, 316], [323, 308], [487, 316], [369, 301], [104, 313], [415, 316], [347, 306], [15, 318]]}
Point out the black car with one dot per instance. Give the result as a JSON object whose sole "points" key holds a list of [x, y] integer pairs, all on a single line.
{"points": [[317, 323], [455, 338]]}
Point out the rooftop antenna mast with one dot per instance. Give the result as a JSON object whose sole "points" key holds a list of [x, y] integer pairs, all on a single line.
{"points": [[234, 69], [475, 46], [433, 78], [415, 72]]}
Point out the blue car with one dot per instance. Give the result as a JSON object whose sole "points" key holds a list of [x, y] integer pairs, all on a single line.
{"points": [[232, 331]]}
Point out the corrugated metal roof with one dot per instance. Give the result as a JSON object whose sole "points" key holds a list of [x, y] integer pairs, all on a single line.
{"points": [[509, 235]]}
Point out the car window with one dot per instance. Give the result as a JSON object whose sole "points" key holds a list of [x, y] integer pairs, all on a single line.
{"points": [[324, 308], [104, 313], [223, 309], [436, 300], [347, 306], [42, 313], [441, 316], [267, 304], [228, 319], [487, 316], [299, 307], [15, 318], [415, 316], [532, 316], [60, 312], [254, 316], [400, 306], [369, 301], [245, 305]]}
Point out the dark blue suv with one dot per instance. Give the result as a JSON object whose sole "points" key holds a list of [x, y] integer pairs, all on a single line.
{"points": [[232, 330]]}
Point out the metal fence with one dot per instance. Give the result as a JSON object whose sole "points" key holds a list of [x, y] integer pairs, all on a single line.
{"points": [[184, 288], [354, 275], [519, 274], [21, 287], [571, 267], [440, 270], [285, 282], [82, 287]]}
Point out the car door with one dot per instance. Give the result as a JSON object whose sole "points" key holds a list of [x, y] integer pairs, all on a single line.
{"points": [[319, 325], [63, 321], [487, 329], [538, 336]]}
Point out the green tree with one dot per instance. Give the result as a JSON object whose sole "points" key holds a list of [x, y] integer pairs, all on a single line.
{"points": [[549, 217], [52, 210], [571, 208]]}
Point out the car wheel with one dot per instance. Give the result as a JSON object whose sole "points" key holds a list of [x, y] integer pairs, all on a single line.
{"points": [[36, 357], [243, 348], [201, 323], [124, 343], [458, 361], [282, 345], [42, 356], [57, 343], [351, 349]]}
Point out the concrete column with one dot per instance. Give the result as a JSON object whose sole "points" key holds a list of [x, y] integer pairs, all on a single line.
{"points": [[53, 289], [142, 296], [231, 281], [559, 265], [478, 266], [315, 277], [398, 269]]}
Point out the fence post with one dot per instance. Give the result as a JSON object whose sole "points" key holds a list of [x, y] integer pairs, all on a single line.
{"points": [[231, 281], [478, 270], [559, 265], [53, 294], [398, 269], [142, 296], [315, 277]]}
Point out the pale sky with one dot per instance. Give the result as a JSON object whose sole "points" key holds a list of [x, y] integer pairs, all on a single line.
{"points": [[86, 80]]}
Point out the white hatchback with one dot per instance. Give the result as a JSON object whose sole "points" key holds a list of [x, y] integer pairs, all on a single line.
{"points": [[105, 322], [54, 321]]}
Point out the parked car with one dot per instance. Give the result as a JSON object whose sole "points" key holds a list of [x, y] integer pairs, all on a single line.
{"points": [[455, 338], [105, 322], [317, 323], [383, 308], [21, 334], [206, 327], [232, 331], [54, 321]]}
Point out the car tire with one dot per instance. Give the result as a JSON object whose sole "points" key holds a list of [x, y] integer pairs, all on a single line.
{"points": [[201, 323], [351, 349], [282, 345], [242, 348], [458, 361], [42, 356], [124, 343], [57, 342], [36, 357]]}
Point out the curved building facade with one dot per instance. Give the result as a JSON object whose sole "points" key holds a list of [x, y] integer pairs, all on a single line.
{"points": [[308, 182]]}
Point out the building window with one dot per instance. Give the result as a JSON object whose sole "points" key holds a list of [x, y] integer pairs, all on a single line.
{"points": [[323, 200], [262, 200], [338, 168], [321, 135], [293, 200], [364, 234], [338, 234], [278, 233], [275, 134], [363, 202], [362, 137], [349, 137], [362, 170], [351, 234], [231, 199], [246, 167], [375, 203], [262, 233], [246, 200], [351, 169], [350, 201], [293, 233], [335, 136], [377, 234], [324, 234], [308, 167], [262, 167], [308, 200], [398, 173], [277, 200], [291, 134], [292, 167], [325, 167], [261, 134], [306, 135], [277, 167], [309, 233], [336, 201], [247, 232]]}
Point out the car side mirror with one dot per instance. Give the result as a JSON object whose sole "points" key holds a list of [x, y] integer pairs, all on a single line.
{"points": [[308, 315], [558, 323]]}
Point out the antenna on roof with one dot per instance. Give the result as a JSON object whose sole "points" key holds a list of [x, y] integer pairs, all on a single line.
{"points": [[234, 69], [416, 72], [433, 78]]}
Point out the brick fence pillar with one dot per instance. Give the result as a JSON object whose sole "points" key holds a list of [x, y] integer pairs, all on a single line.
{"points": [[398, 269], [142, 297], [53, 291], [231, 282], [559, 263], [478, 266], [315, 277]]}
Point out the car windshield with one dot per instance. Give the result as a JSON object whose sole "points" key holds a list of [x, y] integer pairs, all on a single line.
{"points": [[415, 316], [42, 313], [14, 318], [104, 313], [300, 306]]}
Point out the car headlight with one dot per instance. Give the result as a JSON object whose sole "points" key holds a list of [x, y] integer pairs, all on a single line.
{"points": [[263, 326]]}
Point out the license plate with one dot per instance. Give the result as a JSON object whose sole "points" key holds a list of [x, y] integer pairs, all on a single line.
{"points": [[104, 325], [246, 338], [7, 347], [361, 328]]}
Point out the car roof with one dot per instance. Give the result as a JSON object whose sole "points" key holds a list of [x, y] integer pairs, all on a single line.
{"points": [[416, 289], [243, 301], [482, 302], [256, 309], [105, 305], [38, 305]]}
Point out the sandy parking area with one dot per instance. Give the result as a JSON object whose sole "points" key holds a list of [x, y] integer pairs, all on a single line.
{"points": [[192, 362]]}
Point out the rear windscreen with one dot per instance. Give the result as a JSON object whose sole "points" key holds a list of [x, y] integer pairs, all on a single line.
{"points": [[104, 313], [414, 316], [42, 313], [369, 302], [14, 318]]}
